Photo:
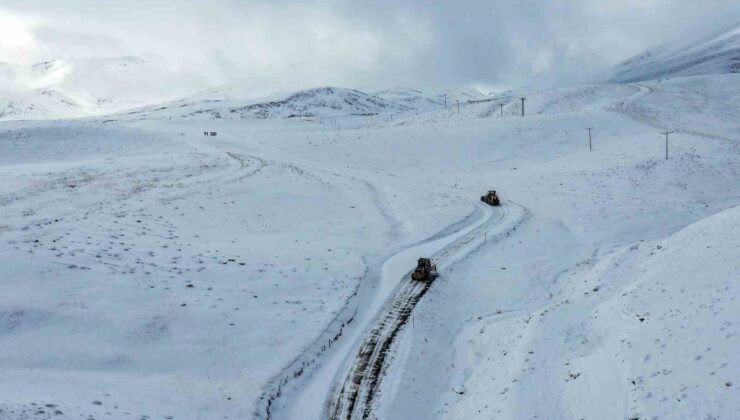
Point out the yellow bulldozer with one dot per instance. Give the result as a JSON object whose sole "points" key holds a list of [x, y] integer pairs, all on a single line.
{"points": [[425, 270], [491, 198]]}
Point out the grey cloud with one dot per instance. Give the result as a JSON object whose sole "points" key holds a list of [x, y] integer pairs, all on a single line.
{"points": [[371, 44]]}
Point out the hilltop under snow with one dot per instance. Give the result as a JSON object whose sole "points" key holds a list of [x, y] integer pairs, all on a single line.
{"points": [[319, 102], [78, 87], [717, 53]]}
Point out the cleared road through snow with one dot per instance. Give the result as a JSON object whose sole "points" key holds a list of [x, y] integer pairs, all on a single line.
{"points": [[356, 388], [311, 400]]}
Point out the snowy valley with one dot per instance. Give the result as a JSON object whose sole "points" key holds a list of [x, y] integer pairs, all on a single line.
{"points": [[221, 256]]}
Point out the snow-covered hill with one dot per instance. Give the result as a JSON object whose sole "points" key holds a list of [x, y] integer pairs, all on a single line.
{"points": [[37, 104], [133, 88], [318, 102], [648, 331], [413, 98], [76, 87], [717, 53], [422, 100]]}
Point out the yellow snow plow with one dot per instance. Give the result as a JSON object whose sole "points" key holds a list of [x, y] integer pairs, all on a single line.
{"points": [[425, 270], [491, 198]]}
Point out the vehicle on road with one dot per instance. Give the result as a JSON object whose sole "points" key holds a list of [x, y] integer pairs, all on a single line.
{"points": [[491, 198], [425, 270]]}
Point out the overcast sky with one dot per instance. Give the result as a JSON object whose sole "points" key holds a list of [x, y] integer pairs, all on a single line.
{"points": [[359, 43]]}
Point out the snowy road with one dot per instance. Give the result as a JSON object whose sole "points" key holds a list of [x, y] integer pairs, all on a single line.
{"points": [[306, 395], [307, 383], [355, 391]]}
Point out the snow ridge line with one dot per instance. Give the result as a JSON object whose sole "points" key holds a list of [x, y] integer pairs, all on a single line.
{"points": [[354, 397]]}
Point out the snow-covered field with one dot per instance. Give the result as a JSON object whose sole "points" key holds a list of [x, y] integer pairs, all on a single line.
{"points": [[151, 271]]}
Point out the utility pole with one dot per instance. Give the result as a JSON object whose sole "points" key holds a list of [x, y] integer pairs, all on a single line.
{"points": [[445, 101], [666, 141], [523, 99], [458, 106], [589, 139], [501, 106]]}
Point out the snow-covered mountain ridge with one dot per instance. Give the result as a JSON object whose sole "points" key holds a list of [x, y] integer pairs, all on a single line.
{"points": [[317, 102], [716, 53], [78, 87]]}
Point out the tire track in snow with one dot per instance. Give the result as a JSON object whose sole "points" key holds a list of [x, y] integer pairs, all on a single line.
{"points": [[355, 394], [309, 360], [305, 366], [631, 109]]}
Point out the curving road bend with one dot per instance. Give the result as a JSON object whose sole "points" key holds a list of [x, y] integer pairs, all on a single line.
{"points": [[311, 397], [354, 392]]}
